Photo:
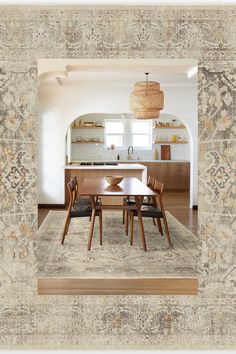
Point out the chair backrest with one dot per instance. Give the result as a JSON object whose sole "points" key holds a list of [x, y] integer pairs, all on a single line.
{"points": [[72, 186], [150, 182], [158, 188]]}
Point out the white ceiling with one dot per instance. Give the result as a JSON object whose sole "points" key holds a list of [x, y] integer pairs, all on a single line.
{"points": [[83, 77], [167, 73]]}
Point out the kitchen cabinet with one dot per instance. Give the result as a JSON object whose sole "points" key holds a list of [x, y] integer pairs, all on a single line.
{"points": [[178, 176], [174, 175], [158, 171]]}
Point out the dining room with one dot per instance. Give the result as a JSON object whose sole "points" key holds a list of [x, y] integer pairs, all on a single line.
{"points": [[114, 215]]}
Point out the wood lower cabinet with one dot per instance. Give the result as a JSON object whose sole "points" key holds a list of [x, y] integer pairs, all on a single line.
{"points": [[175, 175], [178, 176]]}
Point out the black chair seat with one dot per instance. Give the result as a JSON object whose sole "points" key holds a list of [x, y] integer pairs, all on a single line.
{"points": [[82, 210], [150, 212], [129, 201]]}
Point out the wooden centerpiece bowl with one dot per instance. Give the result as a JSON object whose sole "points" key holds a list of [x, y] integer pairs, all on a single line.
{"points": [[113, 180]]}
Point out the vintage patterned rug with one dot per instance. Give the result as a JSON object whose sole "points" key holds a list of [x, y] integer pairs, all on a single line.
{"points": [[115, 258]]}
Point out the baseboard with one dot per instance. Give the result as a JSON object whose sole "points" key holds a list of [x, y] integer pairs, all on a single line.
{"points": [[51, 206], [117, 286], [195, 207]]}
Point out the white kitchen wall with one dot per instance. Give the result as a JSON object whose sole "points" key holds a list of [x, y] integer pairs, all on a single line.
{"points": [[61, 104], [92, 152]]}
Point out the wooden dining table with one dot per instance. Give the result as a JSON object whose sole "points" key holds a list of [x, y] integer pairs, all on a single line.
{"points": [[129, 187]]}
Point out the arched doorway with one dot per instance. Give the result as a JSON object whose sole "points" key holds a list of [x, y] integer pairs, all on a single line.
{"points": [[64, 102]]}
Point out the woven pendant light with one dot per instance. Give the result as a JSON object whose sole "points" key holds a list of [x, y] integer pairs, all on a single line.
{"points": [[147, 100]]}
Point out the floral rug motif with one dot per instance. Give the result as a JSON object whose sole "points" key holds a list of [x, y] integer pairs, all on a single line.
{"points": [[115, 258]]}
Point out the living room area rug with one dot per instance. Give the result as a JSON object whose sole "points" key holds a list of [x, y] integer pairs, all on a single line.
{"points": [[116, 257]]}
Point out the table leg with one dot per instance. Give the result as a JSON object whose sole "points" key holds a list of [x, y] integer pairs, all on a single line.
{"points": [[92, 223], [100, 226], [126, 222], [139, 201], [131, 227]]}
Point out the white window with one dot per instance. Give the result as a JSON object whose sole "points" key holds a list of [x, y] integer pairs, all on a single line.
{"points": [[114, 133], [141, 134], [125, 132]]}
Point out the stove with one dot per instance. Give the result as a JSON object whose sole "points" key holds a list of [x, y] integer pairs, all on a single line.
{"points": [[98, 164], [111, 164]]}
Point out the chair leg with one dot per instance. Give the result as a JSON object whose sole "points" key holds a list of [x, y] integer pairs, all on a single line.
{"points": [[123, 220], [167, 230], [126, 222], [131, 227], [100, 226], [154, 221], [142, 235], [66, 227], [159, 226], [91, 229]]}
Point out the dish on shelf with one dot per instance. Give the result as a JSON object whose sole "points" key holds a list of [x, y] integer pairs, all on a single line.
{"points": [[113, 180], [169, 126], [170, 142], [88, 124], [98, 124], [77, 123]]}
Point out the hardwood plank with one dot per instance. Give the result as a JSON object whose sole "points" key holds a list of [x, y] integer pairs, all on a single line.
{"points": [[118, 286]]}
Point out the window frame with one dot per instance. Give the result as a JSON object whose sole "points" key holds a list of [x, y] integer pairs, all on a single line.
{"points": [[149, 134], [128, 133], [115, 134]]}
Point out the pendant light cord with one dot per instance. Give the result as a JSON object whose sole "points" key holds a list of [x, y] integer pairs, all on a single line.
{"points": [[146, 83]]}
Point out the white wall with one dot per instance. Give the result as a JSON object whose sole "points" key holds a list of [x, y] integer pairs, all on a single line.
{"points": [[89, 152], [60, 105]]}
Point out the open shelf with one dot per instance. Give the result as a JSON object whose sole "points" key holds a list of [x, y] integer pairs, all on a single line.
{"points": [[88, 127], [170, 142], [172, 127], [89, 142]]}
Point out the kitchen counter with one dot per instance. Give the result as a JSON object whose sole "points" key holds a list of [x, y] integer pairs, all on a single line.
{"points": [[130, 161], [120, 166]]}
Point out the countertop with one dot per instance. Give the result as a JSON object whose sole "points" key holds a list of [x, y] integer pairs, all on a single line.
{"points": [[132, 161], [120, 166]]}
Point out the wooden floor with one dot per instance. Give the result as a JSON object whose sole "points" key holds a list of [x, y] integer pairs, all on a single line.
{"points": [[176, 202], [120, 286]]}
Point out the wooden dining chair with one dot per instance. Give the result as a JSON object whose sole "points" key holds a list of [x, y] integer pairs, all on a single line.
{"points": [[147, 201], [78, 208], [153, 211]]}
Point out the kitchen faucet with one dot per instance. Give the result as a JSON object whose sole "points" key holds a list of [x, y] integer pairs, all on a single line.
{"points": [[132, 149]]}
